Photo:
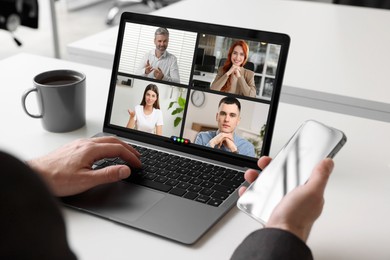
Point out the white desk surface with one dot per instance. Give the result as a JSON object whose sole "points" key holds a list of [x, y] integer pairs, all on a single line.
{"points": [[354, 225], [338, 60]]}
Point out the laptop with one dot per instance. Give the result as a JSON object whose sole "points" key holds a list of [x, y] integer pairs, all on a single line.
{"points": [[186, 184]]}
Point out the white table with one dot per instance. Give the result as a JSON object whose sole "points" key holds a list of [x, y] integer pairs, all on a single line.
{"points": [[338, 60], [354, 225]]}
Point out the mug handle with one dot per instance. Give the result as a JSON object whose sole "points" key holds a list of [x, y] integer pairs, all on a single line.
{"points": [[24, 97]]}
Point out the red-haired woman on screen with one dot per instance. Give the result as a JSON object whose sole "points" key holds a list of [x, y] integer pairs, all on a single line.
{"points": [[232, 77]]}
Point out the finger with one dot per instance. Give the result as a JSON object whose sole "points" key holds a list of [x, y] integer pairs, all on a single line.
{"points": [[108, 147], [108, 175], [118, 150], [110, 139], [251, 175], [263, 162], [241, 190], [320, 175]]}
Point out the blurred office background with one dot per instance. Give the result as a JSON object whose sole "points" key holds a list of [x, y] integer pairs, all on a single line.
{"points": [[77, 19]]}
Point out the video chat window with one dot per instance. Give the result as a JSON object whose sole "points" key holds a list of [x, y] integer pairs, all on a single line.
{"points": [[129, 94], [139, 40], [250, 128], [212, 52]]}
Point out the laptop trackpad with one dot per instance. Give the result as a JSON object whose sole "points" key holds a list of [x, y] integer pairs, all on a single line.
{"points": [[123, 202]]}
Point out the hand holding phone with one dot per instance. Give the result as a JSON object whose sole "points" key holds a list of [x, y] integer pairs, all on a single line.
{"points": [[291, 167]]}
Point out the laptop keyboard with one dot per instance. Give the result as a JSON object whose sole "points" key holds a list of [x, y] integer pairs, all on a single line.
{"points": [[191, 179]]}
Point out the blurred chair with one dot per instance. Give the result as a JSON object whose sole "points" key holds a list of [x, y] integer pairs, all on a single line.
{"points": [[15, 13], [115, 10], [208, 64], [250, 66], [384, 4], [221, 62]]}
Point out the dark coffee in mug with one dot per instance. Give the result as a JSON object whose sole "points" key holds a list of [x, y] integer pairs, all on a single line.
{"points": [[60, 80]]}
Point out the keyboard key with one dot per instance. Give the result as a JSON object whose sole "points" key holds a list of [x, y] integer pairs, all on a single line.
{"points": [[183, 185], [194, 188], [190, 195], [161, 165], [223, 188], [216, 179], [154, 185], [232, 184], [161, 179], [206, 169], [163, 158], [214, 202], [239, 178], [202, 198], [195, 181], [207, 184], [172, 182], [173, 175], [205, 176], [172, 167], [151, 169], [220, 195], [184, 178], [193, 173], [150, 162], [177, 192], [150, 176], [182, 170], [184, 164], [162, 172], [206, 192]]}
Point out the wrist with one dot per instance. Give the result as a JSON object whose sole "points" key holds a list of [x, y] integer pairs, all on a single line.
{"points": [[36, 166]]}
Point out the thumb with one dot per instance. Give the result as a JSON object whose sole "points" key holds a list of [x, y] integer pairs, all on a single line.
{"points": [[109, 174], [320, 175]]}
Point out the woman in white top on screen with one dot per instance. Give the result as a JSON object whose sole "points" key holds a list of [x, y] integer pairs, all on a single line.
{"points": [[147, 116]]}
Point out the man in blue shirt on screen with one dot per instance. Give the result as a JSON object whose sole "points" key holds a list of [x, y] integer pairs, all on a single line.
{"points": [[228, 118]]}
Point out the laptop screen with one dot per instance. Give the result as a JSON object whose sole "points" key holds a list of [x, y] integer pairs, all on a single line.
{"points": [[208, 89]]}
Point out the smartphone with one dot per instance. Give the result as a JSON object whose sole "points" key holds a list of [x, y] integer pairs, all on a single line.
{"points": [[291, 167]]}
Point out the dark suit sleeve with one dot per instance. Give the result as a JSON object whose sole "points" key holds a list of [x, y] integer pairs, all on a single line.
{"points": [[271, 244], [31, 222]]}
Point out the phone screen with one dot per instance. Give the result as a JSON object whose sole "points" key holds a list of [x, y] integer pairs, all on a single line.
{"points": [[291, 167]]}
